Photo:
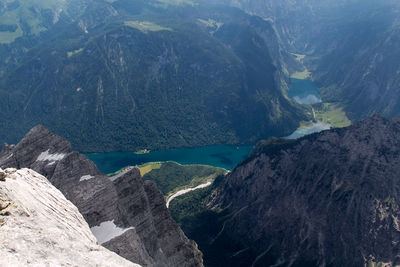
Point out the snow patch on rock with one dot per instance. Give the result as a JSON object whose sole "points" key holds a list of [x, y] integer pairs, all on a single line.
{"points": [[40, 227], [86, 177], [107, 231], [46, 156]]}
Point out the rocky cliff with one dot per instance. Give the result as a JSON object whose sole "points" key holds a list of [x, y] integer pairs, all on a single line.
{"points": [[328, 199], [126, 214], [39, 226]]}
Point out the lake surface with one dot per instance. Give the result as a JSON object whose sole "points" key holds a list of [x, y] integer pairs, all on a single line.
{"points": [[313, 128], [227, 157], [304, 91], [219, 156]]}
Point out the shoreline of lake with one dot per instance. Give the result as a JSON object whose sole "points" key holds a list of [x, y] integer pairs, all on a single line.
{"points": [[226, 157], [223, 156]]}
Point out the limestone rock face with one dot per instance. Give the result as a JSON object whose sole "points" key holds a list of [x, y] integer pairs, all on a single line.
{"points": [[40, 227], [128, 215], [328, 199]]}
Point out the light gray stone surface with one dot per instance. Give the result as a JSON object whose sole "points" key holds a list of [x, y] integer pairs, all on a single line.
{"points": [[128, 201], [40, 227]]}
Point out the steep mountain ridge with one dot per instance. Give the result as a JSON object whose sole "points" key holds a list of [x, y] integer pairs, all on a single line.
{"points": [[34, 214], [328, 199], [129, 214]]}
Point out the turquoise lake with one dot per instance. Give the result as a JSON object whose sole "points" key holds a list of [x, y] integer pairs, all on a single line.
{"points": [[313, 128], [225, 157], [304, 91]]}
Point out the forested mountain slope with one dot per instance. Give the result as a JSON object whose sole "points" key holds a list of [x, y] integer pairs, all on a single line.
{"points": [[125, 75]]}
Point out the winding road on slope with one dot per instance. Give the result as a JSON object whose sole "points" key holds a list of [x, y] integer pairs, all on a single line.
{"points": [[185, 191]]}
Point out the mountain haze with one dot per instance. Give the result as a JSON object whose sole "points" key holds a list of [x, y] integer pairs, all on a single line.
{"points": [[351, 48]]}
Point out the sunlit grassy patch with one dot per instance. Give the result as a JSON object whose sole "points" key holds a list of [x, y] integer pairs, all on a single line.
{"points": [[331, 113], [28, 12], [71, 53], [171, 177], [301, 75], [148, 167]]}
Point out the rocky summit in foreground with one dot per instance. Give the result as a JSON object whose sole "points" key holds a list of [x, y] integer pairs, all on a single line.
{"points": [[126, 214], [327, 199], [40, 227]]}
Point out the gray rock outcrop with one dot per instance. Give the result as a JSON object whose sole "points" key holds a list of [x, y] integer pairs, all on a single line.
{"points": [[40, 227], [129, 214], [327, 199]]}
